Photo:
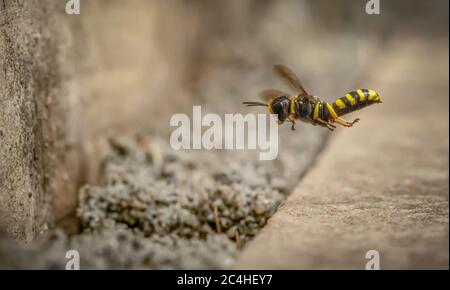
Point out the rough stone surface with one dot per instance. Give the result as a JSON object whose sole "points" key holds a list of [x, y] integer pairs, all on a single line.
{"points": [[381, 185], [30, 114]]}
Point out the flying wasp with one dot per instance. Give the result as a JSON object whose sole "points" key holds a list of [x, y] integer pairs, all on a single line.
{"points": [[309, 108]]}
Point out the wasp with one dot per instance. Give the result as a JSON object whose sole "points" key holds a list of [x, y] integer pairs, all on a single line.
{"points": [[309, 108]]}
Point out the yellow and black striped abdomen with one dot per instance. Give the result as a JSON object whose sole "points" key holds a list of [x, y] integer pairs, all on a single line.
{"points": [[355, 100]]}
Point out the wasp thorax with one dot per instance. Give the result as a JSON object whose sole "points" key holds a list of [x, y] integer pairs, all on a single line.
{"points": [[280, 106]]}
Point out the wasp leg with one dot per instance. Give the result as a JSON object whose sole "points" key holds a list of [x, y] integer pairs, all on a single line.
{"points": [[354, 121], [292, 120], [345, 123], [338, 121], [329, 126]]}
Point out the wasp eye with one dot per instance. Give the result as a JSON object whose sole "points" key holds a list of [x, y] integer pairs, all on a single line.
{"points": [[277, 107], [280, 107]]}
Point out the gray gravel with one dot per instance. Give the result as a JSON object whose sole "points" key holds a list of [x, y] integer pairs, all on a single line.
{"points": [[119, 249], [163, 209]]}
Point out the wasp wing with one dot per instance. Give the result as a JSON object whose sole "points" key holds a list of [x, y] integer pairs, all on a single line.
{"points": [[312, 99], [288, 75]]}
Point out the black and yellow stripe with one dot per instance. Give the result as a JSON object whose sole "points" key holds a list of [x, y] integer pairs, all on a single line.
{"points": [[354, 101], [323, 111]]}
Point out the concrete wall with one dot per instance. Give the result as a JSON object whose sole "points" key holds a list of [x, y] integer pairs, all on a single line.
{"points": [[30, 114], [64, 82]]}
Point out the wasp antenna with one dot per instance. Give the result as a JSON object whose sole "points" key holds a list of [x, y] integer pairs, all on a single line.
{"points": [[252, 104]]}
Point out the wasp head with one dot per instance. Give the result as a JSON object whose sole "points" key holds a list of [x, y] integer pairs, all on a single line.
{"points": [[281, 107]]}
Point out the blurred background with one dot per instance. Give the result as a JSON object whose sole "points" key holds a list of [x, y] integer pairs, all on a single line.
{"points": [[132, 66], [70, 83]]}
